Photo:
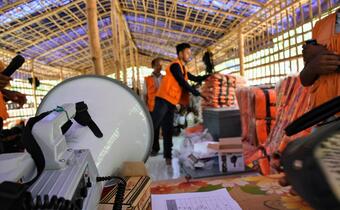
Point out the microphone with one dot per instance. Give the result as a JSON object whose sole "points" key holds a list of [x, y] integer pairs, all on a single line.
{"points": [[15, 64]]}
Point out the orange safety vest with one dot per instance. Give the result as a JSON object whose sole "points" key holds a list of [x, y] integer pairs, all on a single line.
{"points": [[151, 91], [327, 86], [3, 109], [170, 90]]}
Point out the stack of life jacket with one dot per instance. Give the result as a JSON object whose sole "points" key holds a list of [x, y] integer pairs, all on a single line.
{"points": [[258, 111], [264, 100], [292, 102], [219, 90], [242, 96]]}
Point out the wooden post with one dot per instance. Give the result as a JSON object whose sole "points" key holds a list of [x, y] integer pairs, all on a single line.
{"points": [[241, 51], [118, 67], [115, 40], [94, 39], [124, 67], [138, 72], [35, 103], [132, 65], [61, 74], [121, 48]]}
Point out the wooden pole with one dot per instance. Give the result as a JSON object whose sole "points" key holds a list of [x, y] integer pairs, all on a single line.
{"points": [[115, 40], [124, 59], [241, 51], [61, 74], [124, 67], [35, 103], [94, 39], [138, 72], [132, 65], [117, 66]]}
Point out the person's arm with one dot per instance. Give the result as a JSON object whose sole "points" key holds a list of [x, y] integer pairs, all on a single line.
{"points": [[14, 96], [177, 73], [307, 77], [322, 64], [198, 79]]}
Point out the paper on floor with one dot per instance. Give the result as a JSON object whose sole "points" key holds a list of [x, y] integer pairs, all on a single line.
{"points": [[213, 200]]}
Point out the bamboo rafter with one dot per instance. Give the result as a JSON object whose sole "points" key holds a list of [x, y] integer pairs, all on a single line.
{"points": [[54, 32]]}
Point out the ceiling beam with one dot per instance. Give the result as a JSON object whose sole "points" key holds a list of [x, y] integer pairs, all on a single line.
{"points": [[12, 5], [158, 47], [39, 18], [196, 6], [87, 63], [157, 44], [163, 38], [83, 37], [204, 26], [120, 12], [51, 35], [173, 31], [151, 55], [84, 50]]}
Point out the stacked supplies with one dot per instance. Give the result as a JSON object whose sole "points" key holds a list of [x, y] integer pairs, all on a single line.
{"points": [[292, 102], [220, 91], [258, 111]]}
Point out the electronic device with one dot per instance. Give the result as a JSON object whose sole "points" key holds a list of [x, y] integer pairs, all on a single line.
{"points": [[14, 65], [82, 135], [311, 164]]}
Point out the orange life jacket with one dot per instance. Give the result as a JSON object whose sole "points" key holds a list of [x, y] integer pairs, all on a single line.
{"points": [[3, 109], [169, 88], [265, 103], [151, 91], [327, 86], [263, 130]]}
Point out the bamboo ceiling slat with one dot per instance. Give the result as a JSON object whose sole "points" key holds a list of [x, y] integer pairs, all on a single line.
{"points": [[54, 32]]}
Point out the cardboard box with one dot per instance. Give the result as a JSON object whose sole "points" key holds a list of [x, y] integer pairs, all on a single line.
{"points": [[228, 145], [137, 194], [231, 162], [230, 154]]}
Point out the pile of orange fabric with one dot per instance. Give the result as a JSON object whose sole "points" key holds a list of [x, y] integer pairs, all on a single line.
{"points": [[292, 102], [258, 111], [243, 95], [219, 90]]}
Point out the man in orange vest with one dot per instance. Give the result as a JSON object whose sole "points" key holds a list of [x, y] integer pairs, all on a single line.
{"points": [[322, 68], [322, 64], [8, 95], [174, 89], [151, 85]]}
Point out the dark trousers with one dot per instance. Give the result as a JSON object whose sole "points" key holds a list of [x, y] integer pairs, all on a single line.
{"points": [[163, 116], [155, 146]]}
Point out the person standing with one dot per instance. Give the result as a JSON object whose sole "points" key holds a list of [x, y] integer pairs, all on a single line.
{"points": [[151, 85], [174, 89]]}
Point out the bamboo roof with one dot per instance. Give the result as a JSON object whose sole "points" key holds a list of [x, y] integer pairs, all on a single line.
{"points": [[55, 32]]}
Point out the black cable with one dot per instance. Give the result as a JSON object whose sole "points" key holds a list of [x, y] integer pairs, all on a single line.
{"points": [[119, 199], [54, 203]]}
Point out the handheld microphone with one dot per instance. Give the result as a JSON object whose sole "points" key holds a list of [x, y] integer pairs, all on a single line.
{"points": [[15, 64]]}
